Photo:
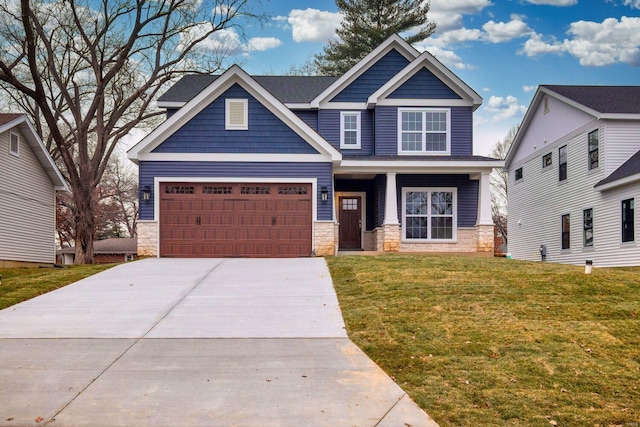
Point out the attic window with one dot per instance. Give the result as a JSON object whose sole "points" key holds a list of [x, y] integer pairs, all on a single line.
{"points": [[14, 144], [236, 114]]}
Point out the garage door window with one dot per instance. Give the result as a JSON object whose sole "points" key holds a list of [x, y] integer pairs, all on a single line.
{"points": [[207, 189], [178, 189]]}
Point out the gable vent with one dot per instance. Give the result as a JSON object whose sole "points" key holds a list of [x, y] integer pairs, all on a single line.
{"points": [[237, 117]]}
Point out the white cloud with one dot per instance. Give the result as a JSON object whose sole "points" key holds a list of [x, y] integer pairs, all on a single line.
{"points": [[263, 43], [461, 35], [529, 88], [504, 108], [447, 57], [635, 4], [554, 2], [445, 21], [498, 32], [313, 25], [595, 44], [459, 6]]}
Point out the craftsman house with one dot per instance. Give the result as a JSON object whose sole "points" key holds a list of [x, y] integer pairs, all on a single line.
{"points": [[29, 180], [379, 159], [574, 177]]}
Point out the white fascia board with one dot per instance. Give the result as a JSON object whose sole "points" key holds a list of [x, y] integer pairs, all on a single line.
{"points": [[234, 157], [416, 166], [37, 146], [619, 183], [343, 106], [233, 75], [170, 104], [298, 106], [395, 41], [393, 102], [428, 61], [619, 116]]}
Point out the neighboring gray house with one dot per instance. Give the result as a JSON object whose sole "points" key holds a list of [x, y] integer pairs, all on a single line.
{"points": [[29, 180], [574, 176]]}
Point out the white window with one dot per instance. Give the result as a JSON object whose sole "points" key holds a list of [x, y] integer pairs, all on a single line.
{"points": [[424, 131], [349, 129], [429, 214], [236, 114], [14, 144]]}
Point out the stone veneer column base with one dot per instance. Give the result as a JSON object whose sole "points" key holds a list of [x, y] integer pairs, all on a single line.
{"points": [[325, 238], [147, 238], [387, 238], [485, 238]]}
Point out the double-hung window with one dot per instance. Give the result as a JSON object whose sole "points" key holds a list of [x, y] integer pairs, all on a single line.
{"points": [[628, 220], [593, 149], [424, 131], [566, 232], [562, 163], [350, 129], [429, 214], [587, 228]]}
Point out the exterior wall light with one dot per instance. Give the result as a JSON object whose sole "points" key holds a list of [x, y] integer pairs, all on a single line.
{"points": [[324, 193], [146, 193]]}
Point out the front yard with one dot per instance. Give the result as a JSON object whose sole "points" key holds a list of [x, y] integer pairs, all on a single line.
{"points": [[489, 341]]}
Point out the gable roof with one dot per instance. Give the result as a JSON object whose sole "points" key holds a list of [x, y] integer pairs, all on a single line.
{"points": [[602, 99], [287, 89], [11, 120], [627, 173], [234, 75], [428, 61], [602, 102]]}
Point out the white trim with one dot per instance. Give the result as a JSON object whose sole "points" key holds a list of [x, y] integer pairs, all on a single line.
{"points": [[363, 211], [342, 106], [619, 182], [228, 106], [357, 145], [424, 132], [234, 75], [394, 42], [234, 157], [160, 179], [396, 102], [428, 61], [170, 104], [391, 200], [15, 152], [430, 190]]}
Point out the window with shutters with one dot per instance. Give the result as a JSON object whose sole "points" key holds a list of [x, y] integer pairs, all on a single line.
{"points": [[236, 114]]}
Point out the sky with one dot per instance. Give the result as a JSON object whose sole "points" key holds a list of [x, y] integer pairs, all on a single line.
{"points": [[503, 49]]}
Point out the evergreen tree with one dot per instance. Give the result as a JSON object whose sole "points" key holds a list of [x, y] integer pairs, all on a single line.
{"points": [[366, 24]]}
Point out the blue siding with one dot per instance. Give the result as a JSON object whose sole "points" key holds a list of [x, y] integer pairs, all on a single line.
{"points": [[329, 129], [309, 117], [386, 129], [206, 132], [373, 79], [321, 171], [467, 193], [424, 85]]}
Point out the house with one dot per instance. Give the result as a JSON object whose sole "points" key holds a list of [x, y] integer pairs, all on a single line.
{"points": [[379, 159], [29, 180], [105, 251], [574, 176]]}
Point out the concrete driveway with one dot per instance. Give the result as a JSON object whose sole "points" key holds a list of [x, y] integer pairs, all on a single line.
{"points": [[203, 342]]}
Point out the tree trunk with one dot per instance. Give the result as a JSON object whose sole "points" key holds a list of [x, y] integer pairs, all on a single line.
{"points": [[84, 223]]}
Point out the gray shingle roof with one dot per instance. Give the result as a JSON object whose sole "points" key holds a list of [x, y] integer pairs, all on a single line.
{"points": [[8, 117], [629, 168], [604, 99], [287, 89]]}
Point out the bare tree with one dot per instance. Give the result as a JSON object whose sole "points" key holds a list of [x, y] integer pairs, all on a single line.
{"points": [[499, 182], [87, 72], [119, 191]]}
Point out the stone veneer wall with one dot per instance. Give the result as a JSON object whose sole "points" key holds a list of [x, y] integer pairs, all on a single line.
{"points": [[467, 241], [147, 238], [386, 238], [486, 240], [325, 238]]}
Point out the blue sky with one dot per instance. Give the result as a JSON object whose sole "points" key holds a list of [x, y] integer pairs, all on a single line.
{"points": [[502, 48]]}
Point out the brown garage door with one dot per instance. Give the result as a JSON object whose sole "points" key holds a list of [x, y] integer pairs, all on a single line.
{"points": [[235, 220]]}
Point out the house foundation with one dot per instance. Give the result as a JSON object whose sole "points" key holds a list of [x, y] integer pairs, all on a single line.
{"points": [[325, 238], [147, 238]]}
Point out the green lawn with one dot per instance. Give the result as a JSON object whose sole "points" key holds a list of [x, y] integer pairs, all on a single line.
{"points": [[20, 284], [489, 341]]}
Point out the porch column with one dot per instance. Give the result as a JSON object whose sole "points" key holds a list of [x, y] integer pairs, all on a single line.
{"points": [[484, 200], [391, 201], [484, 224]]}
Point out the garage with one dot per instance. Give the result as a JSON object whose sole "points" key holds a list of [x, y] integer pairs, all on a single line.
{"points": [[235, 220]]}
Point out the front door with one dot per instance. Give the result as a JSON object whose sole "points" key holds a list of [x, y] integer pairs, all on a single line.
{"points": [[350, 222]]}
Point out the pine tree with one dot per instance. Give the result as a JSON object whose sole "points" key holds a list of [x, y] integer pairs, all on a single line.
{"points": [[366, 24]]}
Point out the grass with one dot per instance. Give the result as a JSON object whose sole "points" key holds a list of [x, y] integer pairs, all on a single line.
{"points": [[20, 284], [495, 342]]}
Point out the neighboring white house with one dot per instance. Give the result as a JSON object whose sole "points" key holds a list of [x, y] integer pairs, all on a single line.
{"points": [[574, 176], [29, 180]]}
